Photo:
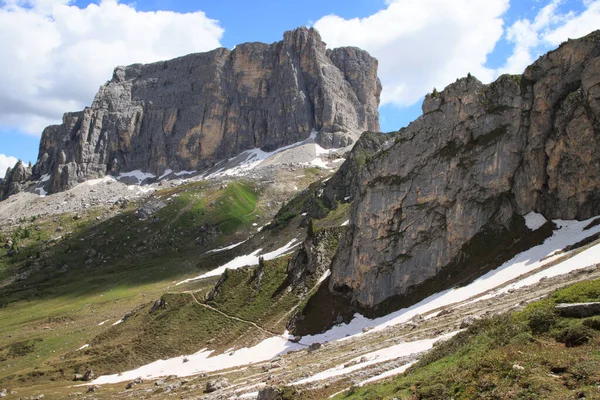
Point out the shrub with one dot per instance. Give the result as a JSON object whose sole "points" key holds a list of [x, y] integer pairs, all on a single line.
{"points": [[541, 320], [435, 391], [574, 335], [593, 323]]}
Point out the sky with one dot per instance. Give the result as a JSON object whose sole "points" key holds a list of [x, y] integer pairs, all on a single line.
{"points": [[56, 53]]}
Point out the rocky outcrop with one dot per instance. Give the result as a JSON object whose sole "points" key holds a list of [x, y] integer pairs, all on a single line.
{"points": [[191, 112], [15, 180], [459, 179]]}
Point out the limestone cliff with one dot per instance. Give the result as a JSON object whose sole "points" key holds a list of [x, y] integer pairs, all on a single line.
{"points": [[193, 111], [459, 179]]}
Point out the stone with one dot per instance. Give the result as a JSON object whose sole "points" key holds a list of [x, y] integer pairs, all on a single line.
{"points": [[314, 347], [216, 384], [94, 388], [270, 393], [467, 171], [88, 376], [194, 111], [578, 310]]}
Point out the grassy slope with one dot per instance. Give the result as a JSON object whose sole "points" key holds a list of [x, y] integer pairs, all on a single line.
{"points": [[57, 309], [512, 356]]}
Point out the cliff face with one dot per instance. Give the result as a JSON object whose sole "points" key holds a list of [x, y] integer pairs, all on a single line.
{"points": [[463, 174], [191, 112]]}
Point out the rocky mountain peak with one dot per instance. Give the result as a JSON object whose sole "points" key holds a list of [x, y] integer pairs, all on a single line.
{"points": [[194, 111]]}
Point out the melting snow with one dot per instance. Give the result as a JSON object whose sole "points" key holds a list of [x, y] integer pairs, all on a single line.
{"points": [[226, 248], [181, 173], [376, 357], [167, 172], [534, 220], [346, 223], [139, 175], [43, 193], [387, 374], [103, 322], [83, 347], [242, 261], [203, 362], [44, 178]]}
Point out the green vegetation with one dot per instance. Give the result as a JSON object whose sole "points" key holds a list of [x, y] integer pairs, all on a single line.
{"points": [[258, 295], [534, 353], [79, 270]]}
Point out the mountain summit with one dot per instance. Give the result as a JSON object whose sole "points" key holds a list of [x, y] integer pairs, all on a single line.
{"points": [[191, 112]]}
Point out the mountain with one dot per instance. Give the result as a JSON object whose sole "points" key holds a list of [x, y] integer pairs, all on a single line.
{"points": [[445, 257], [449, 197], [192, 112]]}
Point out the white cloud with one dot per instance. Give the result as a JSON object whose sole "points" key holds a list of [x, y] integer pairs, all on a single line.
{"points": [[422, 43], [5, 162], [56, 55], [548, 29]]}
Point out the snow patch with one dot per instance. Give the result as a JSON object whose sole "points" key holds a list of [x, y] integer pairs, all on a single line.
{"points": [[245, 260], [534, 221], [376, 357], [83, 347], [387, 374], [103, 322], [345, 223], [181, 173], [137, 174], [42, 192], [44, 178], [226, 248], [204, 361], [167, 172]]}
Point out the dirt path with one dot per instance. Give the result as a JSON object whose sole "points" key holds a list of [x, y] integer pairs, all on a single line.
{"points": [[233, 318]]}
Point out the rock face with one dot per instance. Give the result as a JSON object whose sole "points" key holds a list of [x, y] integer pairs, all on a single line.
{"points": [[193, 111], [462, 175], [14, 179]]}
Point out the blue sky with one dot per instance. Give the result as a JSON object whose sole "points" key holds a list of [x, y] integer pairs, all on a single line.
{"points": [[420, 44]]}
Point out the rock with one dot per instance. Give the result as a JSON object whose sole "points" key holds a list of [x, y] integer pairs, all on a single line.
{"points": [[159, 304], [417, 319], [467, 322], [94, 388], [3, 393], [314, 347], [518, 367], [216, 384], [478, 159], [270, 393], [578, 310], [78, 377], [150, 208], [88, 376], [15, 180], [134, 382], [193, 111]]}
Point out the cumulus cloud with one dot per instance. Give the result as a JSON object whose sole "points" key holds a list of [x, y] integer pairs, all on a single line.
{"points": [[422, 44], [5, 162], [55, 55], [429, 43], [548, 29]]}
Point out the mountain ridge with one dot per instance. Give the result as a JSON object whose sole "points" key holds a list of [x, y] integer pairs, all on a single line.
{"points": [[194, 111]]}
